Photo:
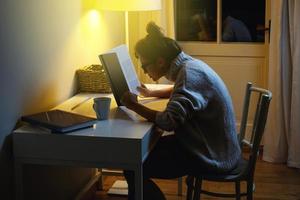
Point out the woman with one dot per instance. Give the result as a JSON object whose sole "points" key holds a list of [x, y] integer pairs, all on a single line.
{"points": [[199, 111]]}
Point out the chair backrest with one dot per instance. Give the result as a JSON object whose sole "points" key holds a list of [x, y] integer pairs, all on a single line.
{"points": [[260, 118]]}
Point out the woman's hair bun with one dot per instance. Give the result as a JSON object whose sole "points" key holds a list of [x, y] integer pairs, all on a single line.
{"points": [[153, 30]]}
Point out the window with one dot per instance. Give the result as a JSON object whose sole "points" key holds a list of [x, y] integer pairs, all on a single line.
{"points": [[239, 21]]}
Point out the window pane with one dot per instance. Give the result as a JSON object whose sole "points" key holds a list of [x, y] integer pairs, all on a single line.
{"points": [[196, 20], [243, 21]]}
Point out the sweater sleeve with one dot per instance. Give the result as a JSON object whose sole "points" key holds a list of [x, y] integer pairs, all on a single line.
{"points": [[185, 100]]}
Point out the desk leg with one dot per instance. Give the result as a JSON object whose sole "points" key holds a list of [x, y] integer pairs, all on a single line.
{"points": [[100, 182], [18, 180], [138, 176], [179, 192]]}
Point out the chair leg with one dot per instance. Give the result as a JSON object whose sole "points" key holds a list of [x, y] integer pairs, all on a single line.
{"points": [[197, 189], [250, 190], [238, 190], [190, 187]]}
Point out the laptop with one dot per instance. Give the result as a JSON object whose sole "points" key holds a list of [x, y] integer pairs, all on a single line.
{"points": [[120, 72], [59, 121]]}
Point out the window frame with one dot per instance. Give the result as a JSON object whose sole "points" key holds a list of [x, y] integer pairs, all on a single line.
{"points": [[219, 29]]}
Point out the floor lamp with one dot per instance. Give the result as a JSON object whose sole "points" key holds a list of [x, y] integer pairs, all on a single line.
{"points": [[129, 5]]}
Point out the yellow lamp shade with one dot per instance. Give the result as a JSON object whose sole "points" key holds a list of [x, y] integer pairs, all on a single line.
{"points": [[130, 5]]}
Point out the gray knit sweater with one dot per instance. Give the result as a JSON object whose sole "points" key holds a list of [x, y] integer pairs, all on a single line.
{"points": [[201, 114]]}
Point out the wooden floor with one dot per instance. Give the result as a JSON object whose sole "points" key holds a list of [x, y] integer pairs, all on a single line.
{"points": [[273, 182]]}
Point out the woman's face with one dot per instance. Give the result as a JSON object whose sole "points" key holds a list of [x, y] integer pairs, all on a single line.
{"points": [[154, 69]]}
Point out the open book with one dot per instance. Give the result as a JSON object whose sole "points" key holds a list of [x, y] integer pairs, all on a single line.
{"points": [[120, 71], [127, 68]]}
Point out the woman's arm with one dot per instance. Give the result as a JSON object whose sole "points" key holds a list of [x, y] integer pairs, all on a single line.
{"points": [[161, 93], [130, 101], [145, 112]]}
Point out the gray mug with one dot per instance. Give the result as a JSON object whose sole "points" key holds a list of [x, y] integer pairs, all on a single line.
{"points": [[102, 107]]}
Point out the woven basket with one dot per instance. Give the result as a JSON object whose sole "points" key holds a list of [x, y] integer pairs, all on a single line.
{"points": [[92, 78]]}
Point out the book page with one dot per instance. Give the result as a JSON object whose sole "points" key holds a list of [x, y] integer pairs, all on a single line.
{"points": [[127, 68]]}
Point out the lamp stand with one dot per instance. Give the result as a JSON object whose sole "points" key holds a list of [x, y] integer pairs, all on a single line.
{"points": [[126, 29]]}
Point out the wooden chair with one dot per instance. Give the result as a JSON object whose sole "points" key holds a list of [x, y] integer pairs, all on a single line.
{"points": [[246, 167]]}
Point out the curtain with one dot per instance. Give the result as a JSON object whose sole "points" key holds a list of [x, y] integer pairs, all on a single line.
{"points": [[282, 137]]}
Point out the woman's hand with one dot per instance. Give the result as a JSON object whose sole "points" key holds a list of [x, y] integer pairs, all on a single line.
{"points": [[129, 99], [160, 93], [144, 91]]}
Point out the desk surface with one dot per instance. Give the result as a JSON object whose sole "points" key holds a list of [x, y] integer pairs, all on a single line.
{"points": [[121, 142], [122, 122], [124, 138]]}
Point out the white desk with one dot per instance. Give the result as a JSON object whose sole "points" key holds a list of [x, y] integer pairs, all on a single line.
{"points": [[121, 142]]}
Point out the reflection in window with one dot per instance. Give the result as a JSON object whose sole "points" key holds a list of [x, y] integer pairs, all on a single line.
{"points": [[196, 20], [242, 20], [234, 30]]}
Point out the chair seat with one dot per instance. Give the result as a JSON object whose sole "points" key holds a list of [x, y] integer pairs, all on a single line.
{"points": [[233, 175]]}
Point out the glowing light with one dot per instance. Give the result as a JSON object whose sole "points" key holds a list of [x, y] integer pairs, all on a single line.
{"points": [[93, 18], [130, 5]]}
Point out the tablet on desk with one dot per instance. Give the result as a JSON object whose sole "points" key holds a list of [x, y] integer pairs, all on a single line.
{"points": [[60, 121]]}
